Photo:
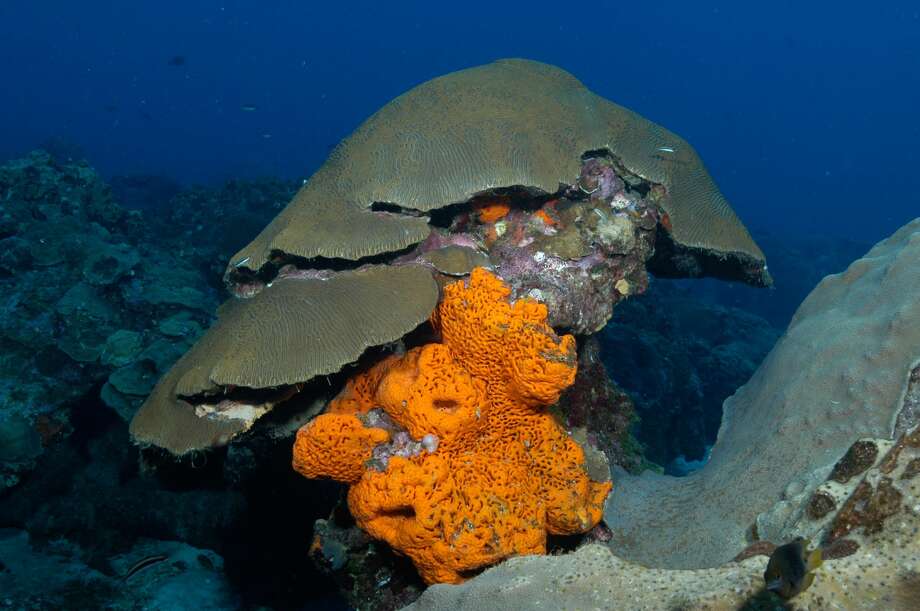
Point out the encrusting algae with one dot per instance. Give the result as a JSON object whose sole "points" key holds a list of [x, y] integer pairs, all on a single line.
{"points": [[501, 473]]}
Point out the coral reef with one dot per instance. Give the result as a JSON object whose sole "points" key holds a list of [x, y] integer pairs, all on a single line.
{"points": [[502, 474], [840, 372], [569, 214], [103, 308], [862, 505], [569, 210], [80, 289], [874, 567]]}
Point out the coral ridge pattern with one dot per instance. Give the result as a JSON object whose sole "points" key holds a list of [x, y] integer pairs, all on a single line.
{"points": [[497, 472]]}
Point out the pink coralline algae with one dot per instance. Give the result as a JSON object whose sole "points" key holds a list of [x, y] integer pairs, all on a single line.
{"points": [[580, 251], [401, 443]]}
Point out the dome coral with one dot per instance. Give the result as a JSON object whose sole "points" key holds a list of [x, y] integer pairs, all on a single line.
{"points": [[452, 456]]}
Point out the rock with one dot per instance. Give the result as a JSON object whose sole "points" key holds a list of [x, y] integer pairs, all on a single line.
{"points": [[126, 406], [122, 347], [180, 325], [106, 266], [135, 379], [20, 445], [57, 577]]}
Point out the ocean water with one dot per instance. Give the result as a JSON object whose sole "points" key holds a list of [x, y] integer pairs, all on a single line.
{"points": [[175, 131], [804, 112]]}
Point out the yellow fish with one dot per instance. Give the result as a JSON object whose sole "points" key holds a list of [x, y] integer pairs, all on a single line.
{"points": [[791, 568]]}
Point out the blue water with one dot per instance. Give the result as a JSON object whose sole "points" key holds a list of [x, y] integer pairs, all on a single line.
{"points": [[804, 112]]}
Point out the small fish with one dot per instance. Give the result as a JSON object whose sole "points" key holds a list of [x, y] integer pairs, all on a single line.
{"points": [[790, 569], [176, 60], [249, 107], [144, 563], [665, 149]]}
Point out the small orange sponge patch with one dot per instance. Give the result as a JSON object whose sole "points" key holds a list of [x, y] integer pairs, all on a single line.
{"points": [[489, 212], [497, 473]]}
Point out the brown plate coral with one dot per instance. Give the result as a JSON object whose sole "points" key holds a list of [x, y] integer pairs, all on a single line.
{"points": [[298, 329], [510, 123]]}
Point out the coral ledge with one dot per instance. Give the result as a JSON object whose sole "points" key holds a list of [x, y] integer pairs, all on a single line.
{"points": [[491, 472]]}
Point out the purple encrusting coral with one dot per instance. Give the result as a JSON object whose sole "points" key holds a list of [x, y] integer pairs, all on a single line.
{"points": [[400, 444], [579, 254], [599, 180]]}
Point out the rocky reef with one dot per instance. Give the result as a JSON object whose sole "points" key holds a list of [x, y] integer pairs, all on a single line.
{"points": [[88, 301], [98, 301], [791, 460]]}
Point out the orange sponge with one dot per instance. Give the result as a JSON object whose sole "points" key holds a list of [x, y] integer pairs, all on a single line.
{"points": [[502, 473], [335, 446], [492, 211]]}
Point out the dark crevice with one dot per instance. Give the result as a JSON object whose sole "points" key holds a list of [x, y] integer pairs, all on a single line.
{"points": [[517, 197], [642, 189], [470, 573], [241, 394], [673, 260], [280, 259], [444, 217], [396, 209], [243, 276], [399, 512], [633, 182]]}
